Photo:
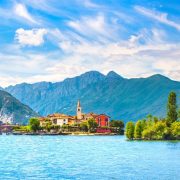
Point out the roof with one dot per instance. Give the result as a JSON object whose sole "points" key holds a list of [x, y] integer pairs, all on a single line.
{"points": [[103, 115], [91, 114], [58, 115]]}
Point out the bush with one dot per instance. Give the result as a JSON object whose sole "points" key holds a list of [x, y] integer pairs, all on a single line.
{"points": [[175, 130]]}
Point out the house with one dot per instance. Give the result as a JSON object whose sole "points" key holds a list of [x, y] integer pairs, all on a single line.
{"points": [[90, 115], [102, 120], [61, 119]]}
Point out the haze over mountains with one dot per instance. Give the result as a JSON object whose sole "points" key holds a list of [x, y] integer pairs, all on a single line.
{"points": [[120, 98]]}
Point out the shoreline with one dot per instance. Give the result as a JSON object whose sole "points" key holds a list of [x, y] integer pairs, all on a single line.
{"points": [[64, 134]]}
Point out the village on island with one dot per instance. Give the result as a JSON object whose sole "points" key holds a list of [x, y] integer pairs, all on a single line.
{"points": [[148, 128], [63, 124], [102, 120]]}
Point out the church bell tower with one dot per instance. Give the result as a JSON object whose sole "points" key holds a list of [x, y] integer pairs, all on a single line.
{"points": [[79, 111]]}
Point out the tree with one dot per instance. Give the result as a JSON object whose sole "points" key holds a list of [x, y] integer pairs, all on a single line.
{"points": [[175, 130], [118, 126], [84, 126], [92, 125], [149, 120], [148, 133], [138, 130], [179, 114], [117, 123], [161, 131], [34, 124], [48, 125], [130, 130], [171, 108]]}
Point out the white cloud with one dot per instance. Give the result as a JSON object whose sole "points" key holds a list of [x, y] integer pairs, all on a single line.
{"points": [[90, 4], [94, 27], [21, 10], [161, 17], [33, 37]]}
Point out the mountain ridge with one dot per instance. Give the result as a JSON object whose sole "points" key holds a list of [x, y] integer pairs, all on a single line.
{"points": [[121, 98]]}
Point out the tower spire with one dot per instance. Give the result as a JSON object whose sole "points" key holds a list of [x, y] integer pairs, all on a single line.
{"points": [[78, 104], [79, 113]]}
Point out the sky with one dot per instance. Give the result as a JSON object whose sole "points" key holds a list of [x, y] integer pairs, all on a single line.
{"points": [[50, 40]]}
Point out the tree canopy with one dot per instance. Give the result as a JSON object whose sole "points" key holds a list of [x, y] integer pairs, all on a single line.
{"points": [[34, 124]]}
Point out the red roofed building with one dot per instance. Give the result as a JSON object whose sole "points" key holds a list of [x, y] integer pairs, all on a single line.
{"points": [[102, 120]]}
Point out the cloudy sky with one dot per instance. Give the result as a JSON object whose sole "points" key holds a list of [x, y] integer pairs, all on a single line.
{"points": [[49, 40]]}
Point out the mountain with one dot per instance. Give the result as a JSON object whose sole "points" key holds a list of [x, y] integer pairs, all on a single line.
{"points": [[120, 98], [12, 110]]}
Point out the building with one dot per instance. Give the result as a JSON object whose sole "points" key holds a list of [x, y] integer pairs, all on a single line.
{"points": [[79, 111], [102, 120], [63, 119]]}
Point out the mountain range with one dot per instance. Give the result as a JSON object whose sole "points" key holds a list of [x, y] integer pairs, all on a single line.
{"points": [[118, 97], [13, 111]]}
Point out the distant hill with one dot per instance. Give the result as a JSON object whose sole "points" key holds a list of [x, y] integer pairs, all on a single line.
{"points": [[12, 110], [121, 98]]}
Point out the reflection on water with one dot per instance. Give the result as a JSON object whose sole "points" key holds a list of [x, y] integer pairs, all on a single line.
{"points": [[87, 157]]}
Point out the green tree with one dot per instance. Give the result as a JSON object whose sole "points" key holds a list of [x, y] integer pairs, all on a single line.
{"points": [[84, 126], [130, 130], [175, 130], [149, 120], [48, 125], [179, 114], [148, 133], [138, 130], [117, 126], [34, 124], [92, 125], [171, 108], [161, 131], [155, 119]]}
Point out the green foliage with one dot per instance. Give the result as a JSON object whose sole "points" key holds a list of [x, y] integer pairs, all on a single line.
{"points": [[117, 126], [48, 125], [92, 125], [175, 130], [84, 126], [161, 131], [130, 130], [179, 114], [65, 126], [148, 133], [55, 127], [138, 130], [171, 109], [34, 124], [21, 128], [117, 123]]}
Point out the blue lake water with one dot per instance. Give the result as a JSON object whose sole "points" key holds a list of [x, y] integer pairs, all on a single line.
{"points": [[87, 157]]}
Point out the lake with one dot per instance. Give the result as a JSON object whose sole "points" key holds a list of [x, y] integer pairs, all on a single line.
{"points": [[87, 157]]}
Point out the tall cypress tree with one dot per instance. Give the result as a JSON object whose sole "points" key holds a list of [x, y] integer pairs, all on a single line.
{"points": [[171, 108], [138, 130], [130, 130]]}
